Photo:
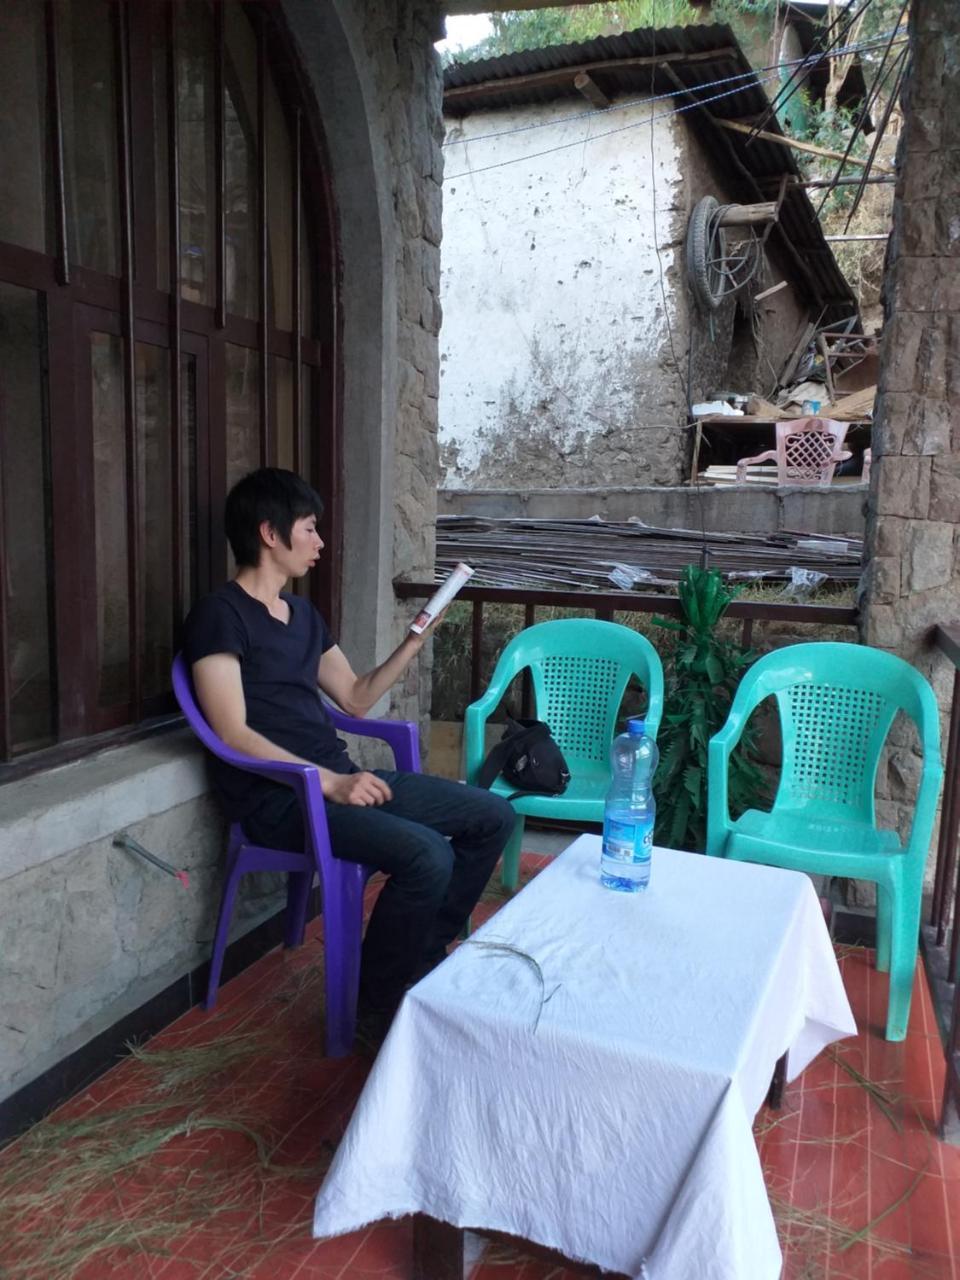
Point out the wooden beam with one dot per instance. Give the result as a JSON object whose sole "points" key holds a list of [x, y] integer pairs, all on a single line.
{"points": [[563, 77], [809, 147], [774, 288], [748, 215], [586, 84], [883, 179]]}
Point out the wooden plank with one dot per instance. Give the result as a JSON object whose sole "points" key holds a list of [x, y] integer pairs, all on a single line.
{"points": [[748, 215], [562, 77], [774, 288], [586, 85], [809, 147]]}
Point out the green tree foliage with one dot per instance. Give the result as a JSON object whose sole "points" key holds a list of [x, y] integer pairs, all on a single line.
{"points": [[702, 674], [514, 29]]}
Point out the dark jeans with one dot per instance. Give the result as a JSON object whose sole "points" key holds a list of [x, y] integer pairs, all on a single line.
{"points": [[437, 841]]}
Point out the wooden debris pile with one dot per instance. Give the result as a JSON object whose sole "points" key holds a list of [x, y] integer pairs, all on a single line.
{"points": [[564, 555]]}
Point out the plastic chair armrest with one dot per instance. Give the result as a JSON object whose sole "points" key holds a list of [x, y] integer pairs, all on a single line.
{"points": [[743, 463], [925, 809], [290, 774], [719, 750], [400, 736], [474, 738]]}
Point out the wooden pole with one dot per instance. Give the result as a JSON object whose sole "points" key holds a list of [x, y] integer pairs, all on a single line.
{"points": [[737, 127]]}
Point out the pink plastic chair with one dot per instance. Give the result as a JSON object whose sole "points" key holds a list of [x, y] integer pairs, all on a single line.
{"points": [[341, 882], [807, 451]]}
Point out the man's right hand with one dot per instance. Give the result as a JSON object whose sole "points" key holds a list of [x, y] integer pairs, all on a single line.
{"points": [[356, 788]]}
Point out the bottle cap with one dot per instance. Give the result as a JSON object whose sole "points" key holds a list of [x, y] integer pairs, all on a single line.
{"points": [[636, 726]]}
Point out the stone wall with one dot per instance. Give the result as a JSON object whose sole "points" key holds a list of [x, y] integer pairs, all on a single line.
{"points": [[912, 578], [723, 509], [554, 349], [411, 115], [569, 332]]}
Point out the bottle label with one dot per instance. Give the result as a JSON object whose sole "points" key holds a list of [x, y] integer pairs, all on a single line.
{"points": [[627, 841]]}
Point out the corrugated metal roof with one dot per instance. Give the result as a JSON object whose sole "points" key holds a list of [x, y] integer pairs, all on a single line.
{"points": [[698, 55]]}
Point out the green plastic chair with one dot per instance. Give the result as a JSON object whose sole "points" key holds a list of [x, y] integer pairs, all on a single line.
{"points": [[836, 705], [580, 668]]}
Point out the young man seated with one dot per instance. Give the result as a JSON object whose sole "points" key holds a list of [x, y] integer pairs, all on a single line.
{"points": [[258, 656]]}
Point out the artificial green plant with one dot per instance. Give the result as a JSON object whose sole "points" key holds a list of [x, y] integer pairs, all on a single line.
{"points": [[702, 671]]}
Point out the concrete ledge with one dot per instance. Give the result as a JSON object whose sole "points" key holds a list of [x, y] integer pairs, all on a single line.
{"points": [[49, 814], [726, 509]]}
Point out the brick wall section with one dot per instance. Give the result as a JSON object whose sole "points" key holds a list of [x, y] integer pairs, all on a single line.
{"points": [[912, 578]]}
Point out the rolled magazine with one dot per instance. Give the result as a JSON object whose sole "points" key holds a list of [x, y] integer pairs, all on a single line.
{"points": [[441, 597]]}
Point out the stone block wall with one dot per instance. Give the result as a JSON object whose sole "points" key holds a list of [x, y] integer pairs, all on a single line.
{"points": [[89, 932], [411, 114], [912, 577]]}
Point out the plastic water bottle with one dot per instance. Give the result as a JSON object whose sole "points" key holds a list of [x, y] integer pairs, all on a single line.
{"points": [[630, 811]]}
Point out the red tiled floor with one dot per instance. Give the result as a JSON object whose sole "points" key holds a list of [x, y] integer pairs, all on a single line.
{"points": [[837, 1160]]}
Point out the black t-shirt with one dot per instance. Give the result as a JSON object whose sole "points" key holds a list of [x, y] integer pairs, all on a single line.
{"points": [[278, 668]]}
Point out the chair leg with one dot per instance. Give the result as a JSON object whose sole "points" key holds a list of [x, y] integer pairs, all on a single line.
{"points": [[299, 885], [222, 933], [884, 928], [510, 874], [342, 934], [904, 943]]}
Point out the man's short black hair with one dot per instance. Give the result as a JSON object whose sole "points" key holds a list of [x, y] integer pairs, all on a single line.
{"points": [[272, 494]]}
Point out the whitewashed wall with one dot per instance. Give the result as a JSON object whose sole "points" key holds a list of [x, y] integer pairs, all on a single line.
{"points": [[554, 347]]}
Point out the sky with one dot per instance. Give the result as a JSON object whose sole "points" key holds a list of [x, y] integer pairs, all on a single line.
{"points": [[464, 31]]}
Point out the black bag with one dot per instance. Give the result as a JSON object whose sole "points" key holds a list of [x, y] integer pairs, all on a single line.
{"points": [[528, 758]]}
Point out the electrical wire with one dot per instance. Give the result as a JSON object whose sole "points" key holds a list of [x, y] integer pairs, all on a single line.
{"points": [[810, 60], [636, 124], [579, 142]]}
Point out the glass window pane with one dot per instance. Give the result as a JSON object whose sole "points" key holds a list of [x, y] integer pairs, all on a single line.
{"points": [[25, 510], [306, 461], [188, 481], [243, 412], [88, 90], [196, 121], [280, 209], [153, 431], [110, 510], [161, 148], [302, 586], [307, 274], [283, 393], [240, 165], [23, 125]]}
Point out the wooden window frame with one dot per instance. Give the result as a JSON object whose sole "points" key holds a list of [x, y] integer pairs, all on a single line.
{"points": [[131, 306]]}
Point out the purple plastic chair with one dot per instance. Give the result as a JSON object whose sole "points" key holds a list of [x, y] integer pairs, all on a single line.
{"points": [[341, 882]]}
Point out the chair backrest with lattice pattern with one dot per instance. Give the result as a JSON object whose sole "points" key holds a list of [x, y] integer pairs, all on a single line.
{"points": [[836, 703], [580, 668], [807, 450]]}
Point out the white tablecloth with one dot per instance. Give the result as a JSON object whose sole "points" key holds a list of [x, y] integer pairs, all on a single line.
{"points": [[613, 1120]]}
